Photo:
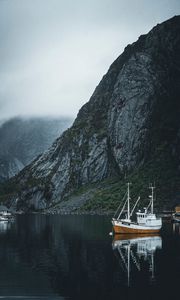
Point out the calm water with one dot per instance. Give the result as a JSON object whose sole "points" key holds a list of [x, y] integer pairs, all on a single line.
{"points": [[73, 257]]}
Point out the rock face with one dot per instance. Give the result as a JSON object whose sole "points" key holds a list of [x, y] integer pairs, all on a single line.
{"points": [[133, 112], [23, 139]]}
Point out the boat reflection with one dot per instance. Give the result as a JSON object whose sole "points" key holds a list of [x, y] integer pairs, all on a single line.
{"points": [[4, 226], [131, 249], [176, 228]]}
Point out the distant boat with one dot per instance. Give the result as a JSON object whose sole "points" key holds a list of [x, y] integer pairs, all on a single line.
{"points": [[176, 217], [146, 222], [5, 214]]}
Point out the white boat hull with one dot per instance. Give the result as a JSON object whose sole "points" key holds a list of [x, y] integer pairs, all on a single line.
{"points": [[4, 219]]}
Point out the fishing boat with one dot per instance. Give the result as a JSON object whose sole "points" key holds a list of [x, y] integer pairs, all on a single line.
{"points": [[146, 221]]}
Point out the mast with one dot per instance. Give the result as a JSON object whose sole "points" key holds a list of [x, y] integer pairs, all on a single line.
{"points": [[152, 198], [128, 204], [135, 206]]}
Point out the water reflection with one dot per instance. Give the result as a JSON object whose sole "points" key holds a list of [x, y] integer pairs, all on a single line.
{"points": [[132, 249], [71, 257], [4, 226], [44, 256], [176, 228]]}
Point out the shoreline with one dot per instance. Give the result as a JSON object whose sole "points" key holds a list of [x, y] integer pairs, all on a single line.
{"points": [[79, 213]]}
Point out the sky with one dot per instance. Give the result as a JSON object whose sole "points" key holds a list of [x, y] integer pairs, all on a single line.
{"points": [[53, 53]]}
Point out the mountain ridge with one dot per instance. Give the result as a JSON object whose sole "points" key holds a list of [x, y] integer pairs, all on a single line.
{"points": [[129, 123], [24, 138]]}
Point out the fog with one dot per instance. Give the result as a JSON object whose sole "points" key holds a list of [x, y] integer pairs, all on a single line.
{"points": [[53, 53]]}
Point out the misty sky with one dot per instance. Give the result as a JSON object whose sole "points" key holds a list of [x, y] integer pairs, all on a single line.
{"points": [[53, 53]]}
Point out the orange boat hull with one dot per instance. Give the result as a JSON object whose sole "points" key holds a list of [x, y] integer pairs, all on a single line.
{"points": [[121, 229]]}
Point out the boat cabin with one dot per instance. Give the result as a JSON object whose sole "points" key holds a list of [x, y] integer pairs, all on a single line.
{"points": [[145, 218], [141, 216]]}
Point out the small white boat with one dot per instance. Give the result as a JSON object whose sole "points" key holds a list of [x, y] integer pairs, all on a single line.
{"points": [[6, 216], [146, 222], [4, 219], [176, 217]]}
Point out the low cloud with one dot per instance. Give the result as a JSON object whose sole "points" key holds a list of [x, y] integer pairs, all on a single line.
{"points": [[54, 53]]}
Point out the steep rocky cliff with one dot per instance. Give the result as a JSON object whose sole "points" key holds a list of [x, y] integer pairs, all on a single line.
{"points": [[131, 121], [23, 139]]}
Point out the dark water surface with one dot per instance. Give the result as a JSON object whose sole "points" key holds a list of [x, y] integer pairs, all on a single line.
{"points": [[73, 257]]}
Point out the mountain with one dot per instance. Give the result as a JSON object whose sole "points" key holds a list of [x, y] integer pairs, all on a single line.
{"points": [[23, 139], [129, 130]]}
